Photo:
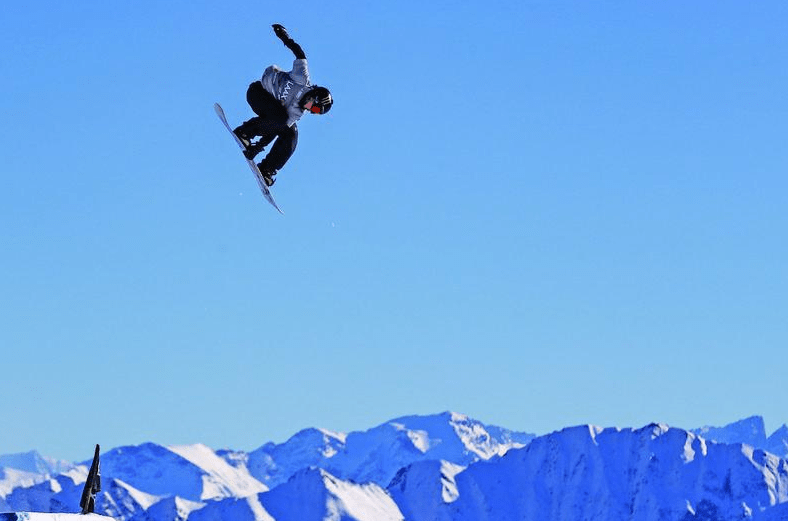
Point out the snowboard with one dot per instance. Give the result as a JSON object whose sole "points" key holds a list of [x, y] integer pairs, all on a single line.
{"points": [[256, 171]]}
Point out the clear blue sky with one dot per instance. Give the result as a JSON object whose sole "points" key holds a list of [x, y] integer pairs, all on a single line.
{"points": [[537, 213]]}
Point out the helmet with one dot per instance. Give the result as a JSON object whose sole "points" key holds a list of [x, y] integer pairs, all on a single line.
{"points": [[321, 100]]}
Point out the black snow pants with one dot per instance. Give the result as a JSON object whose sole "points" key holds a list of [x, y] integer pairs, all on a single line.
{"points": [[270, 123]]}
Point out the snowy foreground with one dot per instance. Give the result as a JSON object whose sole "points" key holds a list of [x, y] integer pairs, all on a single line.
{"points": [[432, 468]]}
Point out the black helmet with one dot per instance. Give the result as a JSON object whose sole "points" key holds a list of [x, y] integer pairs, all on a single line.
{"points": [[321, 100]]}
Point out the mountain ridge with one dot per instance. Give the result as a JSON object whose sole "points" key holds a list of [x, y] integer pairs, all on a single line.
{"points": [[439, 467]]}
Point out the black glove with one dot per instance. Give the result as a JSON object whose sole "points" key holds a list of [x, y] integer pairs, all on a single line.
{"points": [[280, 31]]}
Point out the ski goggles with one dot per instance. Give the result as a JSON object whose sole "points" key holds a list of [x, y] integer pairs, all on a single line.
{"points": [[320, 105]]}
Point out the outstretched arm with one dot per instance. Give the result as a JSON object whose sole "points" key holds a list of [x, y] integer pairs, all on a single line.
{"points": [[296, 49]]}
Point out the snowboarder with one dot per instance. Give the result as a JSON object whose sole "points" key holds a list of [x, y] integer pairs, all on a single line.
{"points": [[280, 99]]}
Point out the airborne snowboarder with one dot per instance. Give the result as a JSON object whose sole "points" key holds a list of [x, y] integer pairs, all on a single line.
{"points": [[279, 99]]}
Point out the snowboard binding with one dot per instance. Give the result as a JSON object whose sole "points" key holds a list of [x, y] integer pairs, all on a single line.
{"points": [[262, 183], [268, 175]]}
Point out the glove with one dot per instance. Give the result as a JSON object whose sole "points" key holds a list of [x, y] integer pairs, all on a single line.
{"points": [[280, 31]]}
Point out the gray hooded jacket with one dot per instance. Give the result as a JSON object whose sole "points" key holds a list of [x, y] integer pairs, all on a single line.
{"points": [[288, 87]]}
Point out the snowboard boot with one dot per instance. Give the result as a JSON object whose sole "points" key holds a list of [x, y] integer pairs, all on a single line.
{"points": [[268, 175], [242, 137], [252, 149]]}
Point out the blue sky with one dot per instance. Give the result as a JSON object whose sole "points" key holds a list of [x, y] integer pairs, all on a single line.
{"points": [[537, 213]]}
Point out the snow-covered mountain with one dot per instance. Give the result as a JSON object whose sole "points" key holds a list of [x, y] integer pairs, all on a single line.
{"points": [[310, 494], [376, 455], [777, 443], [751, 431], [35, 463], [437, 468], [11, 479], [59, 493], [650, 474], [192, 472]]}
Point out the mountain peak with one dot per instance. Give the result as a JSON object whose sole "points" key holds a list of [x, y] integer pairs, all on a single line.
{"points": [[35, 463], [378, 453], [656, 429], [193, 472], [751, 431], [434, 433], [778, 442]]}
